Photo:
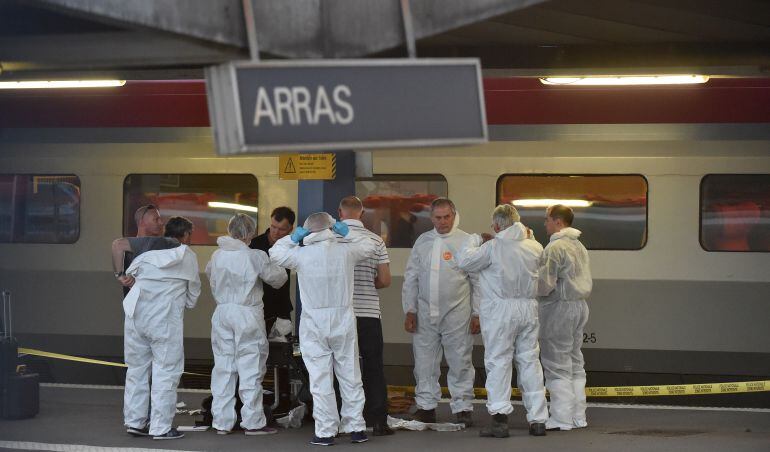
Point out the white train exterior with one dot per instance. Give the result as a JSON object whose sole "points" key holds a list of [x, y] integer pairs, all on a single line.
{"points": [[669, 307]]}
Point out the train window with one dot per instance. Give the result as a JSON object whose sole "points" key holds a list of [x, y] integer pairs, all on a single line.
{"points": [[208, 200], [39, 208], [397, 206], [735, 212], [610, 210]]}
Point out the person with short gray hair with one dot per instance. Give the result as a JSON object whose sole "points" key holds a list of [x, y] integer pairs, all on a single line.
{"points": [[507, 266], [504, 216], [241, 227], [441, 312], [237, 275]]}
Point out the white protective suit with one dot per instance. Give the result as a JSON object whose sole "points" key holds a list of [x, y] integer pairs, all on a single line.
{"points": [[166, 282], [440, 293], [238, 336], [327, 328], [564, 284], [508, 270]]}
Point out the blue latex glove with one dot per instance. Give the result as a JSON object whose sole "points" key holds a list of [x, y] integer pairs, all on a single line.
{"points": [[341, 228], [299, 234]]}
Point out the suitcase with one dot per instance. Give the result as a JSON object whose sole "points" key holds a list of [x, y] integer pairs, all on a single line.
{"points": [[22, 396], [19, 393], [9, 355]]}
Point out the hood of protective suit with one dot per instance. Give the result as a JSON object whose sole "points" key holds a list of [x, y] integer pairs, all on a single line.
{"points": [[318, 222], [170, 275], [317, 237], [565, 272], [516, 231], [228, 243], [570, 233], [159, 259]]}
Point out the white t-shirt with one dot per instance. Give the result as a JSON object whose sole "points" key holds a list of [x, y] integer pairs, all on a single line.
{"points": [[366, 301]]}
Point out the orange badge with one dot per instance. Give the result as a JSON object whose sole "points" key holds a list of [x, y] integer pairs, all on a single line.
{"points": [[447, 255]]}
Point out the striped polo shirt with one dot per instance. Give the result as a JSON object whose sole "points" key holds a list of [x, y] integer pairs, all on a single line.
{"points": [[366, 301]]}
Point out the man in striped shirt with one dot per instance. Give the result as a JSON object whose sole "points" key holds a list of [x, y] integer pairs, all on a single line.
{"points": [[370, 275]]}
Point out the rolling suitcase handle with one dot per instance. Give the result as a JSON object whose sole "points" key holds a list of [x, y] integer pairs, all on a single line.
{"points": [[20, 398], [7, 322]]}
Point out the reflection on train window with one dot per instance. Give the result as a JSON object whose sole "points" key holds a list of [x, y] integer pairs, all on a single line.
{"points": [[39, 208], [397, 207], [197, 197], [735, 212], [610, 210]]}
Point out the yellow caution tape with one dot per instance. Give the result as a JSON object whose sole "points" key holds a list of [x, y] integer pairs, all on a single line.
{"points": [[639, 391], [677, 390], [32, 351], [606, 391]]}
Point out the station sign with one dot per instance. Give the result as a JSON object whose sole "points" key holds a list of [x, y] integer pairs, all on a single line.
{"points": [[314, 105], [307, 166]]}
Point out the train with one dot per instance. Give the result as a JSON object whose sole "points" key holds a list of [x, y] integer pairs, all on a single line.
{"points": [[675, 212]]}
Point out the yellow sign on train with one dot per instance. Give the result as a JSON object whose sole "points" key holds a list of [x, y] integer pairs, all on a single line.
{"points": [[307, 166]]}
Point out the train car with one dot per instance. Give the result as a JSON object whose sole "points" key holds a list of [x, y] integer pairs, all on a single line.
{"points": [[670, 185]]}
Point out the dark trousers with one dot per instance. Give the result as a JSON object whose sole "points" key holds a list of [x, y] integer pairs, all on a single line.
{"points": [[372, 369]]}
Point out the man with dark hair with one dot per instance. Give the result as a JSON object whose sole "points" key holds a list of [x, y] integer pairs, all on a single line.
{"points": [[507, 265], [277, 301], [564, 283], [179, 228], [369, 275], [563, 213]]}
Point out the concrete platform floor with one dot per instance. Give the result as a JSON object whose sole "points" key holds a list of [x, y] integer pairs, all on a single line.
{"points": [[90, 419]]}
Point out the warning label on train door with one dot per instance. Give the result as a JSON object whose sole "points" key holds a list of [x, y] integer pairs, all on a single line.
{"points": [[307, 166]]}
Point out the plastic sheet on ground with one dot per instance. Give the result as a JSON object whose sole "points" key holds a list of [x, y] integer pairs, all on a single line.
{"points": [[193, 428], [280, 329], [404, 424], [294, 418]]}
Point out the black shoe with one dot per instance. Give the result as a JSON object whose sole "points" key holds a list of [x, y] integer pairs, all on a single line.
{"points": [[322, 441], [358, 437], [133, 431], [382, 429], [171, 434], [426, 416], [537, 429], [498, 429], [466, 417]]}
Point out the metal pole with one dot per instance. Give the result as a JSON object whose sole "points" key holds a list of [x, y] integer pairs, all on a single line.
{"points": [[251, 29], [406, 16]]}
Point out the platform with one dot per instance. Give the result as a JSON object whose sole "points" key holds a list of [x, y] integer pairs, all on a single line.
{"points": [[90, 418]]}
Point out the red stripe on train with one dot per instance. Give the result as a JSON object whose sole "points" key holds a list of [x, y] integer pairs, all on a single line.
{"points": [[508, 101]]}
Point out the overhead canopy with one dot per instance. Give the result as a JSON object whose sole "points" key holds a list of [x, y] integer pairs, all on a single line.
{"points": [[176, 38]]}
